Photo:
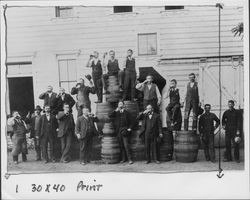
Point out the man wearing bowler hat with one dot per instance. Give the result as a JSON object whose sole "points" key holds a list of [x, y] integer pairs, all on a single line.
{"points": [[33, 122]]}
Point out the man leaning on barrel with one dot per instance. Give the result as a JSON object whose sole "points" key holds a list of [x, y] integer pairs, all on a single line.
{"points": [[123, 127], [151, 130]]}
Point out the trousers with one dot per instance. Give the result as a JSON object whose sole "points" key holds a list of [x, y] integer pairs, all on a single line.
{"points": [[152, 146], [229, 138], [191, 105], [85, 149], [45, 140], [124, 147], [129, 84], [65, 146], [208, 140], [98, 85]]}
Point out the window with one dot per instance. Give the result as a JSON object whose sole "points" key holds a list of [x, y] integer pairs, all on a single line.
{"points": [[22, 68], [147, 44], [173, 7], [67, 74], [64, 11], [121, 9]]}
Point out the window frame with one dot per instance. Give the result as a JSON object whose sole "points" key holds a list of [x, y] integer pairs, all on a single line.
{"points": [[156, 44], [59, 8], [59, 76], [122, 11]]}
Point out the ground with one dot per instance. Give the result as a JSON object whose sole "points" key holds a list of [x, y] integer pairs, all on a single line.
{"points": [[32, 166]]}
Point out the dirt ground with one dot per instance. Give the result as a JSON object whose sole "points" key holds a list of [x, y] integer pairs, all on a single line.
{"points": [[32, 166]]}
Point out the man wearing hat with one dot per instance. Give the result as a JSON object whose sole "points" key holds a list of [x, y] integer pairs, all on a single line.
{"points": [[123, 127], [230, 122], [33, 122]]}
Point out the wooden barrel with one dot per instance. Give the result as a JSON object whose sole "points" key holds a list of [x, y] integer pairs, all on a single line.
{"points": [[137, 146], [114, 90], [167, 145], [108, 129], [132, 107], [110, 151], [102, 112], [186, 146]]}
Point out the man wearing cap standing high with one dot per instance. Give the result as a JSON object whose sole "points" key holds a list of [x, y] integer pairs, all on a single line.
{"points": [[33, 121], [230, 122]]}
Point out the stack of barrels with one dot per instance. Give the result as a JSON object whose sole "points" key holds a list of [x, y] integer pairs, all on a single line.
{"points": [[113, 89], [110, 151]]}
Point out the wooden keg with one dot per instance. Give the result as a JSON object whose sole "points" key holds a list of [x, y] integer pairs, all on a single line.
{"points": [[102, 112], [167, 145], [137, 146], [110, 151], [108, 129], [186, 146]]}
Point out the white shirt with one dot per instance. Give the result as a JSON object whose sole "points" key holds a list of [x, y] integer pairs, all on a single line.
{"points": [[48, 117], [150, 116], [191, 84], [50, 94]]}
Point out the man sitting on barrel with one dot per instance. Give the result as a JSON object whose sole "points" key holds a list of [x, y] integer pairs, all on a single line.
{"points": [[123, 127], [113, 70], [151, 130]]}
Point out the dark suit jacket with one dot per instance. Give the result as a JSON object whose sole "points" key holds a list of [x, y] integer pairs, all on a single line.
{"points": [[51, 101], [67, 99], [116, 118], [41, 125], [82, 126], [33, 125], [156, 127], [66, 124]]}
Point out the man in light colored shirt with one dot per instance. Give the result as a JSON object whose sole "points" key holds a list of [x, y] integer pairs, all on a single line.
{"points": [[151, 93]]}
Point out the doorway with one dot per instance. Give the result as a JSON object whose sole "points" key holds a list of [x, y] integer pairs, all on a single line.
{"points": [[21, 96]]}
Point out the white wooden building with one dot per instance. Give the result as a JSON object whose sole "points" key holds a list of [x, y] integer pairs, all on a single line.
{"points": [[51, 45]]}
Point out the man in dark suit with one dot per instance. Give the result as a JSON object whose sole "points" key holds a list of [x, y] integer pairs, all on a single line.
{"points": [[49, 98], [85, 130], [123, 127], [66, 131], [33, 121], [47, 127], [230, 122], [82, 91], [151, 129], [206, 129], [63, 98]]}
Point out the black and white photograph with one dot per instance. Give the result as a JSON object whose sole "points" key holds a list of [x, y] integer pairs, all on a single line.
{"points": [[126, 89]]}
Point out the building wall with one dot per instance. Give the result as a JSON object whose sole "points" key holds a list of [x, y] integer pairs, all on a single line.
{"points": [[36, 34]]}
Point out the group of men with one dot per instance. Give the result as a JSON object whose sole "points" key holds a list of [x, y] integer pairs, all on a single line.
{"points": [[57, 120]]}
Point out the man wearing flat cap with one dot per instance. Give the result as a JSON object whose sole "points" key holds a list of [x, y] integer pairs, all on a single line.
{"points": [[123, 128]]}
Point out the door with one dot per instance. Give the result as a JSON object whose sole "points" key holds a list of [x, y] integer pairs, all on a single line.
{"points": [[21, 96]]}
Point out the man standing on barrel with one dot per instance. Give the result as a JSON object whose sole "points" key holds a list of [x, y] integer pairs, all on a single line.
{"points": [[151, 93], [131, 72], [96, 66], [151, 130], [85, 130], [82, 91], [191, 102], [230, 122], [206, 129], [123, 127], [112, 70]]}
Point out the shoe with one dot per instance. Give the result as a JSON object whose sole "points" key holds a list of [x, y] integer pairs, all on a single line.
{"points": [[213, 161], [15, 162], [53, 160], [207, 159], [148, 161], [106, 92], [65, 161], [83, 163], [130, 162], [122, 161], [157, 162], [46, 161], [134, 99], [38, 159], [237, 161], [98, 101]]}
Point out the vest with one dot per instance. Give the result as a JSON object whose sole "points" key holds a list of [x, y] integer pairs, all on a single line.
{"points": [[149, 126], [150, 94], [122, 122], [48, 126], [96, 69], [192, 93], [19, 129], [174, 96], [130, 65], [113, 67]]}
